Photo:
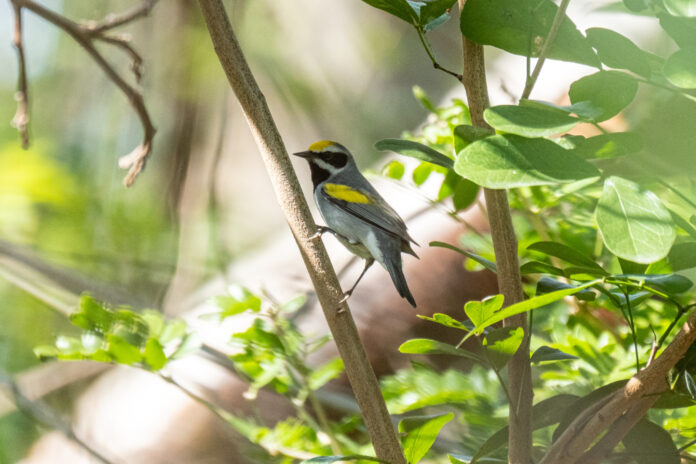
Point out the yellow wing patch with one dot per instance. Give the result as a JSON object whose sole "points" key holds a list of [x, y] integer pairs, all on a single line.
{"points": [[346, 193], [320, 145]]}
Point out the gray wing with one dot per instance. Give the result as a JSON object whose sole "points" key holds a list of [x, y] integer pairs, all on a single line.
{"points": [[377, 213]]}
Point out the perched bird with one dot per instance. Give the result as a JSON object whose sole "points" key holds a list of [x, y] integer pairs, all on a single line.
{"points": [[356, 214]]}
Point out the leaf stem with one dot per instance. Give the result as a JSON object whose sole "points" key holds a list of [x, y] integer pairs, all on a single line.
{"points": [[431, 55]]}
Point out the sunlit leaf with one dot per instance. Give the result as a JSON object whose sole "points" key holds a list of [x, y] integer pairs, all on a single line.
{"points": [[154, 355], [501, 344], [419, 434], [634, 223], [617, 51], [394, 169], [508, 161], [415, 150], [686, 8], [328, 371], [427, 346], [511, 24], [611, 91], [680, 68], [481, 311], [529, 121]]}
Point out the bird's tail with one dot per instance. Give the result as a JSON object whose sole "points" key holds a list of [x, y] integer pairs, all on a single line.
{"points": [[397, 276]]}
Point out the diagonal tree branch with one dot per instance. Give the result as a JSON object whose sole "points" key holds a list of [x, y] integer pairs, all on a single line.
{"points": [[623, 408], [86, 34], [289, 194]]}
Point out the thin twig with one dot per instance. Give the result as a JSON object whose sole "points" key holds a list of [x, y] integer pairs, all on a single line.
{"points": [[113, 20], [86, 35], [20, 121], [555, 27], [431, 55]]}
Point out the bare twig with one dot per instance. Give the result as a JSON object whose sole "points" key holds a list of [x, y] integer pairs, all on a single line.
{"points": [[509, 278], [113, 20], [20, 121], [555, 27], [287, 189], [42, 414], [86, 35]]}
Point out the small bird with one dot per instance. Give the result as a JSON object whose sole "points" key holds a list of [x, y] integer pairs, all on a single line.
{"points": [[356, 214]]}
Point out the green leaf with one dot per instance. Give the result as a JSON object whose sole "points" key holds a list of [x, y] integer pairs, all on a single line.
{"points": [[685, 8], [465, 194], [611, 91], [240, 300], [565, 253], [549, 354], [394, 169], [648, 443], [508, 161], [428, 346], [548, 285], [544, 413], [122, 351], [608, 145], [537, 267], [465, 134], [511, 24], [330, 370], [501, 344], [617, 51], [422, 97], [154, 354], [446, 320], [490, 265], [419, 434], [680, 68], [421, 173], [415, 150], [583, 110], [348, 457], [481, 311], [682, 256], [681, 30], [673, 284], [634, 223], [529, 121], [434, 13], [399, 8], [532, 303]]}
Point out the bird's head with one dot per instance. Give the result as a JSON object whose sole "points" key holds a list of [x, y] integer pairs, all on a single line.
{"points": [[326, 158]]}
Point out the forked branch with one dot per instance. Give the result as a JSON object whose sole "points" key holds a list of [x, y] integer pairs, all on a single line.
{"points": [[87, 34]]}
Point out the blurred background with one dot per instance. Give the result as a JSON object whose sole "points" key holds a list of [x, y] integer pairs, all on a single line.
{"points": [[335, 70]]}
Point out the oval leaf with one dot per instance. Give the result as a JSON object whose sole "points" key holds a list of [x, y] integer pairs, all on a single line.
{"points": [[617, 51], [680, 69], [415, 150], [419, 434], [428, 346], [648, 443], [501, 344], [529, 121], [611, 91], [508, 161], [681, 30], [511, 25], [634, 223], [481, 311]]}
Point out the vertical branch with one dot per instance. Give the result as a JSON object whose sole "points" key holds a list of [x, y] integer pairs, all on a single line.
{"points": [[291, 199], [509, 278], [20, 121]]}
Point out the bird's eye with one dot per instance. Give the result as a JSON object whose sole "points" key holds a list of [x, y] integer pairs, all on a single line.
{"points": [[335, 159]]}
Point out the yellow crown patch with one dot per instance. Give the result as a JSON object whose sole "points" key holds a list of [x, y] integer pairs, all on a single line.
{"points": [[320, 145]]}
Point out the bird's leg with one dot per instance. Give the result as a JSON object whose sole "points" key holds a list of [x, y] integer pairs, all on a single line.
{"points": [[368, 262], [321, 230]]}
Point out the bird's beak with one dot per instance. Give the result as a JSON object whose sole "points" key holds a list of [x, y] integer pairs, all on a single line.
{"points": [[304, 154]]}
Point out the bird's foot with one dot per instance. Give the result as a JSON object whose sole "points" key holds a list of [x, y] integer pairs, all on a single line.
{"points": [[321, 230]]}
